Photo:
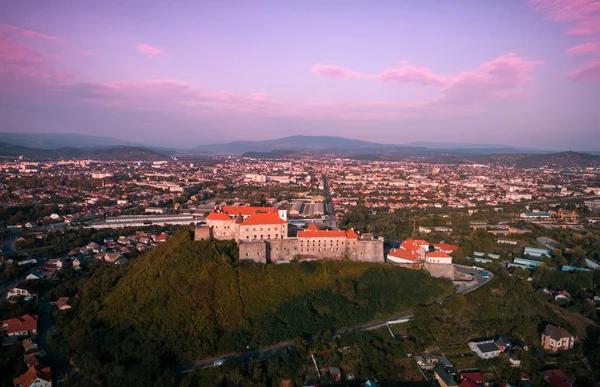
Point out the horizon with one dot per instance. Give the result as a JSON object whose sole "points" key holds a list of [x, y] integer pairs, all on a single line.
{"points": [[521, 74]]}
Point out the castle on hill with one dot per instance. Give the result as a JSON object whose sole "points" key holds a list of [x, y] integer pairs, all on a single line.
{"points": [[263, 235]]}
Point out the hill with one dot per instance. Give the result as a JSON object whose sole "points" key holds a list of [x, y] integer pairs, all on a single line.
{"points": [[189, 300], [106, 153], [60, 140]]}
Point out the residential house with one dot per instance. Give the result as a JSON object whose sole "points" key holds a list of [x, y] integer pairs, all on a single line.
{"points": [[62, 303], [20, 291], [472, 379], [557, 339], [445, 247], [23, 326], [438, 257], [443, 377], [563, 296], [486, 349], [335, 373], [558, 378], [38, 377], [403, 256]]}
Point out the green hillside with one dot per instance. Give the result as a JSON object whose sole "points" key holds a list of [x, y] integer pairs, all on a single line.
{"points": [[189, 300]]}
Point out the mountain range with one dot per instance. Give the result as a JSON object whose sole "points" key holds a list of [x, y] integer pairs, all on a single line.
{"points": [[61, 145]]}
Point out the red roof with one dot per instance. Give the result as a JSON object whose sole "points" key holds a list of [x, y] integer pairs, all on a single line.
{"points": [[410, 255], [27, 379], [468, 383], [264, 218], [477, 377], [445, 247], [437, 254], [410, 245], [322, 234], [246, 210], [25, 323], [312, 227], [418, 241], [218, 216]]}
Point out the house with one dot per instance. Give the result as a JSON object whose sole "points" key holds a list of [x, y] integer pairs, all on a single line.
{"points": [[419, 242], [438, 257], [443, 377], [563, 296], [29, 345], [23, 326], [475, 378], [558, 378], [403, 256], [536, 252], [160, 238], [38, 377], [426, 362], [445, 247], [486, 349], [335, 373], [557, 339], [62, 303], [20, 291]]}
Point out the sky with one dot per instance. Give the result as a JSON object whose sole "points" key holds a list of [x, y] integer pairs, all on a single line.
{"points": [[184, 73]]}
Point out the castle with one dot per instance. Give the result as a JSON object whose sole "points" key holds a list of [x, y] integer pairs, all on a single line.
{"points": [[263, 235]]}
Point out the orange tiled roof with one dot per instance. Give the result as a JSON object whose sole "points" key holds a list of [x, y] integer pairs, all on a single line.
{"points": [[218, 216], [409, 255], [24, 323], [312, 233], [312, 227], [264, 218], [418, 241], [437, 254], [27, 379], [410, 245], [446, 246], [245, 210]]}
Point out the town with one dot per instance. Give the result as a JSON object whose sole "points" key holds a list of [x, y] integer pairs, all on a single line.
{"points": [[469, 224]]}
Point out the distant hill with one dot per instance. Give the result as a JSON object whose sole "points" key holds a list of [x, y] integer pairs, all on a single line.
{"points": [[106, 153], [187, 300], [366, 149], [60, 140], [521, 160]]}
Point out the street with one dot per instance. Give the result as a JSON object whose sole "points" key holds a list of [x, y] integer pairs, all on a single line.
{"points": [[329, 206]]}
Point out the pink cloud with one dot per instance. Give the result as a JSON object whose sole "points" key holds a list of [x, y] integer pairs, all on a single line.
{"points": [[85, 53], [589, 71], [584, 18], [585, 48], [502, 77], [29, 33], [330, 71], [407, 73], [150, 50]]}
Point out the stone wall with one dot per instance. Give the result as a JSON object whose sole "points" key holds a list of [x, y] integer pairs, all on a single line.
{"points": [[282, 249], [255, 251], [366, 250], [262, 231], [203, 233], [224, 229], [440, 270]]}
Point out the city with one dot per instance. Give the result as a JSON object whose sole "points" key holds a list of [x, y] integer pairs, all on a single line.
{"points": [[300, 193]]}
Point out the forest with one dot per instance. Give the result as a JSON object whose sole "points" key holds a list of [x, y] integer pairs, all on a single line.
{"points": [[186, 300]]}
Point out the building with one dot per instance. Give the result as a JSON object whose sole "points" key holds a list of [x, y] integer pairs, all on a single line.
{"points": [[486, 349], [558, 378], [404, 256], [556, 339], [23, 326], [443, 377], [445, 247], [38, 377], [438, 257], [20, 291], [314, 244], [536, 252]]}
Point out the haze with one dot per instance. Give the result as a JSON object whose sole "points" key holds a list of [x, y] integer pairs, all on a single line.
{"points": [[522, 73]]}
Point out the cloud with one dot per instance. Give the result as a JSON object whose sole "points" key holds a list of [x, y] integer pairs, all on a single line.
{"points": [[28, 33], [505, 76], [85, 53], [584, 19], [150, 50], [585, 48], [330, 71], [589, 71]]}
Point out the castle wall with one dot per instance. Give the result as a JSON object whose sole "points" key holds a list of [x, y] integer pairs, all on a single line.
{"points": [[223, 229], [323, 248], [283, 249], [366, 250], [203, 233], [255, 251], [263, 231]]}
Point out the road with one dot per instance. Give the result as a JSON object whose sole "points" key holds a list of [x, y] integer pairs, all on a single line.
{"points": [[563, 199], [329, 206], [263, 353]]}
